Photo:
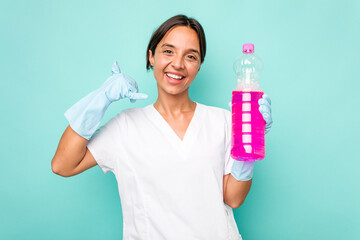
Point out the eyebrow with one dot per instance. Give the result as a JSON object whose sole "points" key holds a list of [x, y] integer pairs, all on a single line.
{"points": [[172, 46]]}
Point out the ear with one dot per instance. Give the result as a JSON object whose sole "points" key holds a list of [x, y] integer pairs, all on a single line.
{"points": [[151, 58], [199, 67]]}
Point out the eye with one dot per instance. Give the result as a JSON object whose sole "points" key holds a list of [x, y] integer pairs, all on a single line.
{"points": [[168, 51], [192, 57]]}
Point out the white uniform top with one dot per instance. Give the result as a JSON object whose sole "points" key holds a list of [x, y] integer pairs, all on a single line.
{"points": [[170, 189]]}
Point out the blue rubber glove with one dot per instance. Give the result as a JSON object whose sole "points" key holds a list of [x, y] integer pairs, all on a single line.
{"points": [[242, 171], [85, 116], [265, 110]]}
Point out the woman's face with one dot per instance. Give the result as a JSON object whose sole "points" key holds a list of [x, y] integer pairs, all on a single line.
{"points": [[176, 60]]}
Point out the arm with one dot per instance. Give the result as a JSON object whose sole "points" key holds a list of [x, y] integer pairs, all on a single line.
{"points": [[237, 185], [235, 191], [72, 156]]}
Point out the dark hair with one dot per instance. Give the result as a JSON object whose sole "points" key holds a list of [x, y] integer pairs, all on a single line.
{"points": [[178, 20]]}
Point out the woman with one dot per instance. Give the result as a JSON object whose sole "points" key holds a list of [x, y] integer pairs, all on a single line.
{"points": [[172, 158]]}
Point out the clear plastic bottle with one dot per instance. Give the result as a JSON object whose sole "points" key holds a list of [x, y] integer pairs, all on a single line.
{"points": [[248, 125]]}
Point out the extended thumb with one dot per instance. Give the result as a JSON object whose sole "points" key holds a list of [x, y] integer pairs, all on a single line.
{"points": [[115, 68]]}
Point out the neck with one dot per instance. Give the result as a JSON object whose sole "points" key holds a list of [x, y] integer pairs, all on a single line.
{"points": [[174, 104]]}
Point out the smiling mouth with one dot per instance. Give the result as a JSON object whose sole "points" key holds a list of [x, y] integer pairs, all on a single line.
{"points": [[177, 77]]}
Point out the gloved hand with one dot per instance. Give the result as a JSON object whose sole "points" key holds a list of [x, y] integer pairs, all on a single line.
{"points": [[85, 116], [242, 171], [265, 110]]}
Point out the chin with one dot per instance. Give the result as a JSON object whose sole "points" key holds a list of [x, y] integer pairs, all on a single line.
{"points": [[173, 90]]}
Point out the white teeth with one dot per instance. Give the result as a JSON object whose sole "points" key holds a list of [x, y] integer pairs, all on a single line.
{"points": [[174, 76]]}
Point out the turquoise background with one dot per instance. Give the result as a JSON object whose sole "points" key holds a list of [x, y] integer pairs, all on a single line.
{"points": [[52, 53]]}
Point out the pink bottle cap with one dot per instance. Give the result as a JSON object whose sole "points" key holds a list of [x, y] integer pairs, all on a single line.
{"points": [[248, 48]]}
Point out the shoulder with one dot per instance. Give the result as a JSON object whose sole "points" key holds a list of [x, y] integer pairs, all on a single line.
{"points": [[217, 113], [215, 110], [130, 112], [130, 115]]}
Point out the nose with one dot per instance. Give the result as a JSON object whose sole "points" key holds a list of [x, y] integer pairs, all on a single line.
{"points": [[178, 62]]}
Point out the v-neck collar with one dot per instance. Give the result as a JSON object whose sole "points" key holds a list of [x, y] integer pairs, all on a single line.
{"points": [[183, 146]]}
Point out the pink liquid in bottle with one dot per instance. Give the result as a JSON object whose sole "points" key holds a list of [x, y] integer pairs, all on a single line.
{"points": [[248, 124]]}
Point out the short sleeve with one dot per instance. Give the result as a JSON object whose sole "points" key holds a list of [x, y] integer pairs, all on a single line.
{"points": [[103, 145], [228, 159]]}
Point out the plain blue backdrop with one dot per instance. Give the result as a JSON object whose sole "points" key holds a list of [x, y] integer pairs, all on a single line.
{"points": [[52, 53]]}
